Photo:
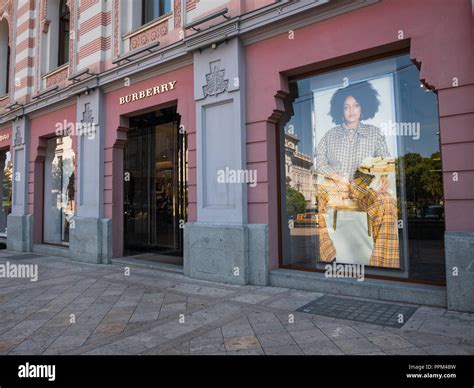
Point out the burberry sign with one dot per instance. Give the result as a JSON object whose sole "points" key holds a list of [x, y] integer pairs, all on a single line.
{"points": [[167, 87]]}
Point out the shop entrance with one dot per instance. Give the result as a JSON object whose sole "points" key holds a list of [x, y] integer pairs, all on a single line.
{"points": [[155, 192]]}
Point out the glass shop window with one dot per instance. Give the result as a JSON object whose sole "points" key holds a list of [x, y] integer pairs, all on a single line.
{"points": [[59, 190], [361, 177], [6, 166]]}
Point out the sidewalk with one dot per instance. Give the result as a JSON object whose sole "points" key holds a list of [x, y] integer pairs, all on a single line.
{"points": [[77, 308]]}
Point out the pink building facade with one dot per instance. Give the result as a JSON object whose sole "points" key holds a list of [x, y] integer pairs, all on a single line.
{"points": [[156, 130]]}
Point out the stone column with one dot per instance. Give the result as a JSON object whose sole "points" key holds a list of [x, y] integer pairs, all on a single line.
{"points": [[19, 222], [90, 232], [219, 245]]}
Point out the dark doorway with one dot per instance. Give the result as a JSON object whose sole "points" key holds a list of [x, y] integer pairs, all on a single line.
{"points": [[155, 179]]}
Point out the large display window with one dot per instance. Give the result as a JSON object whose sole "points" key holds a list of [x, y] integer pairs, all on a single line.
{"points": [[361, 172], [59, 182], [6, 190]]}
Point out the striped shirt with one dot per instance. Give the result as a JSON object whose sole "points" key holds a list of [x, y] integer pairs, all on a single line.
{"points": [[338, 154]]}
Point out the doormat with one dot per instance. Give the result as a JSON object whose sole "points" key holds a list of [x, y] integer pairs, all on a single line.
{"points": [[383, 314]]}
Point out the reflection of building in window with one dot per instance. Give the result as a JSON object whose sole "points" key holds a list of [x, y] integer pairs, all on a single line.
{"points": [[411, 239], [6, 166], [298, 169], [153, 9], [58, 190]]}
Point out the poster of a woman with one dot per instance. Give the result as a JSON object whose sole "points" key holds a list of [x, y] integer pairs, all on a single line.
{"points": [[345, 157]]}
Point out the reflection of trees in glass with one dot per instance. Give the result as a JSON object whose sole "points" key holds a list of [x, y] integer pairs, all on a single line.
{"points": [[56, 178], [423, 181], [295, 201], [7, 188]]}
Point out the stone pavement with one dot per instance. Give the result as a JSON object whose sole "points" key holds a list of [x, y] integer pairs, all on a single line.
{"points": [[77, 308]]}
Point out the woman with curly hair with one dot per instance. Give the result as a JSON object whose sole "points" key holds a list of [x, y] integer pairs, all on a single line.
{"points": [[338, 157]]}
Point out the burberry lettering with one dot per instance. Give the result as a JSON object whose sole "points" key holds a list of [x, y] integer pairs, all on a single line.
{"points": [[167, 87]]}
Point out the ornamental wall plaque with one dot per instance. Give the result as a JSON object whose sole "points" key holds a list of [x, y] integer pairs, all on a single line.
{"points": [[216, 84]]}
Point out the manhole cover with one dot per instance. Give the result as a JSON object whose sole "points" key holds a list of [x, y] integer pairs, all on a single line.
{"points": [[384, 314]]}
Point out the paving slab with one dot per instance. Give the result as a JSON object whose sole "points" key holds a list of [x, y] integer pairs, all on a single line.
{"points": [[157, 312]]}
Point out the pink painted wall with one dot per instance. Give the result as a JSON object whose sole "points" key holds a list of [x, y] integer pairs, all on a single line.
{"points": [[438, 34], [42, 128], [235, 8], [251, 5], [116, 116]]}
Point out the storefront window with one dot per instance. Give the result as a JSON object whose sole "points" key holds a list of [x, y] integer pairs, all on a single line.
{"points": [[361, 172], [6, 187], [58, 190]]}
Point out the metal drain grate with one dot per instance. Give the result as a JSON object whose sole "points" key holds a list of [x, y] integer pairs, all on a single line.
{"points": [[384, 314]]}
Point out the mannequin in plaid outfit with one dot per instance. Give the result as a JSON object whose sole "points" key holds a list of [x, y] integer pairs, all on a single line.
{"points": [[338, 156]]}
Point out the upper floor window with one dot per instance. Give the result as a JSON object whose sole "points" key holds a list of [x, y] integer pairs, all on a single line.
{"points": [[152, 9], [56, 36], [63, 45], [4, 58]]}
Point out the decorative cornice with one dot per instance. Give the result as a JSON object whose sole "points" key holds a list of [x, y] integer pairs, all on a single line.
{"points": [[46, 106], [258, 25]]}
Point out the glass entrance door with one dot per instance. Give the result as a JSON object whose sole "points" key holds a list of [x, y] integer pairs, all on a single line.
{"points": [[6, 168], [58, 190], [155, 184]]}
